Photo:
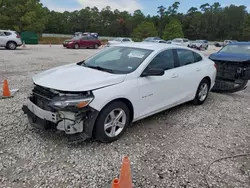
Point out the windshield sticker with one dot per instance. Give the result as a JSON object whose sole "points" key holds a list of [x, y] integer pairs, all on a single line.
{"points": [[130, 67], [136, 54]]}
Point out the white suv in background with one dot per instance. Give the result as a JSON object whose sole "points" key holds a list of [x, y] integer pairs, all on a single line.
{"points": [[10, 39], [181, 42]]}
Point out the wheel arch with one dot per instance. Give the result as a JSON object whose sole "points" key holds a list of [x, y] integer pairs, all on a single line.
{"points": [[11, 41], [209, 80], [126, 101]]}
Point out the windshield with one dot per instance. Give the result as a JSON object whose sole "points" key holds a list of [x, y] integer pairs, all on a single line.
{"points": [[76, 38], [149, 39], [236, 49], [199, 41], [177, 40], [118, 39], [118, 60]]}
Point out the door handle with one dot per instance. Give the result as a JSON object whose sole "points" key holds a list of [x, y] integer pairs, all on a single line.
{"points": [[175, 75], [198, 69]]}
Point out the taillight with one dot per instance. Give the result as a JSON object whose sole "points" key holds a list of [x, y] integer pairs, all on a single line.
{"points": [[18, 36], [215, 66]]}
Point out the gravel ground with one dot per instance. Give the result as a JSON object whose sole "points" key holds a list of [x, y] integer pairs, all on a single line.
{"points": [[170, 149]]}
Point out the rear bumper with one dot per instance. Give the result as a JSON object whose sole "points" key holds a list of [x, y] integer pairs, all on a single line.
{"points": [[43, 119]]}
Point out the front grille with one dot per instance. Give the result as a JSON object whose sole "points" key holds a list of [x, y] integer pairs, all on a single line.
{"points": [[42, 96]]}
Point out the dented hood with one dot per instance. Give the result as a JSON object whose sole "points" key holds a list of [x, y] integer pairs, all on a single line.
{"points": [[74, 77]]}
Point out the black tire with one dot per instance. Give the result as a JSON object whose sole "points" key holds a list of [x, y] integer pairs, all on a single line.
{"points": [[99, 131], [198, 100], [11, 45], [76, 46], [96, 46]]}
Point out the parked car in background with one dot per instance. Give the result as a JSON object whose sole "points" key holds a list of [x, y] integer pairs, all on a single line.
{"points": [[119, 41], [233, 62], [226, 42], [81, 34], [82, 42], [10, 39], [122, 84], [151, 39], [181, 42], [199, 44], [160, 41]]}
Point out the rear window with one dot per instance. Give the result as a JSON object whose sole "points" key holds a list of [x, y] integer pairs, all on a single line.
{"points": [[7, 33], [236, 49]]}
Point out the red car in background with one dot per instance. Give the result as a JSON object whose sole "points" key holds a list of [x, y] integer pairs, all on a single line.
{"points": [[82, 42]]}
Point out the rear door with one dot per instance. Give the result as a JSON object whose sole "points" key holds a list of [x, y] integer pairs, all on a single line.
{"points": [[189, 73], [3, 39], [83, 42], [91, 41]]}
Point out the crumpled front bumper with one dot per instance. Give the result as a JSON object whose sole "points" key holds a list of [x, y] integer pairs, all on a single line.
{"points": [[43, 119]]}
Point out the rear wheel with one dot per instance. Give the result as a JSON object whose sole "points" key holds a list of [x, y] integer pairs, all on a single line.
{"points": [[202, 92], [112, 122], [76, 46], [96, 46], [11, 45]]}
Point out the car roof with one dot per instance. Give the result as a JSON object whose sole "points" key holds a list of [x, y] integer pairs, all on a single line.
{"points": [[150, 46], [240, 43], [6, 30]]}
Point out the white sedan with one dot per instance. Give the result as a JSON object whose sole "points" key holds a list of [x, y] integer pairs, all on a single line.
{"points": [[101, 96]]}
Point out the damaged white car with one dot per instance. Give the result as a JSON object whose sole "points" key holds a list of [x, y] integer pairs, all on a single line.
{"points": [[101, 96]]}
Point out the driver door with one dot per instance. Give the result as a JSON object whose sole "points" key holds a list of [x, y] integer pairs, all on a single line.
{"points": [[159, 92]]}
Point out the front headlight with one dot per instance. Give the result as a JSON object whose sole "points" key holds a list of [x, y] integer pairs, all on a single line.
{"points": [[70, 102]]}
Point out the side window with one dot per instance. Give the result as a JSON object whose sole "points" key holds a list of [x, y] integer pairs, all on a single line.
{"points": [[197, 57], [91, 38], [186, 57], [84, 38], [7, 33], [2, 34], [164, 60]]}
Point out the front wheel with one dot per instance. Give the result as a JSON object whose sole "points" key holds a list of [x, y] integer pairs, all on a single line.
{"points": [[202, 92], [112, 122], [76, 46]]}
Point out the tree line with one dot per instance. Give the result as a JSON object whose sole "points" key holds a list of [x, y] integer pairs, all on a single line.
{"points": [[210, 22]]}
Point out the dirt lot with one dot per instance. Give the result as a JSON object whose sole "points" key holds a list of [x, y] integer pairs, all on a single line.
{"points": [[170, 149]]}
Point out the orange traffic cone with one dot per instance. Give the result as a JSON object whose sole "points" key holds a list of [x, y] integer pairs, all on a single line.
{"points": [[6, 90], [115, 183], [125, 179]]}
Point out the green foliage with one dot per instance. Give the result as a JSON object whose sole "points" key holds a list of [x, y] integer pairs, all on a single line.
{"points": [[173, 30], [144, 30], [23, 15], [210, 22]]}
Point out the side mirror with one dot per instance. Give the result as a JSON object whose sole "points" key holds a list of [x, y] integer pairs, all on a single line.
{"points": [[153, 72]]}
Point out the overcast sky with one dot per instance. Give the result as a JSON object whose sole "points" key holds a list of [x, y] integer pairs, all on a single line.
{"points": [[147, 6]]}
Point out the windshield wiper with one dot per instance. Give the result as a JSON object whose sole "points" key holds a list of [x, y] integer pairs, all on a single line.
{"points": [[99, 68]]}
